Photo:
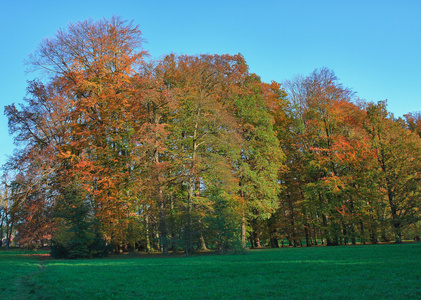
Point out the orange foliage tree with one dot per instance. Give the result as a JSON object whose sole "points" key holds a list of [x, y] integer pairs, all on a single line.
{"points": [[195, 152]]}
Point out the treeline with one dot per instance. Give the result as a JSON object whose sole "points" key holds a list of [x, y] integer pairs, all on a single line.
{"points": [[186, 153]]}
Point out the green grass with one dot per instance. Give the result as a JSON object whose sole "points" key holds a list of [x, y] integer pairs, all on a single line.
{"points": [[367, 272]]}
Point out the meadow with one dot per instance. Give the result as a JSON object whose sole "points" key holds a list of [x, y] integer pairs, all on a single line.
{"points": [[346, 272]]}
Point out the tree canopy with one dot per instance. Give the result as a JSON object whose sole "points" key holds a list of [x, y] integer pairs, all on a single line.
{"points": [[191, 152]]}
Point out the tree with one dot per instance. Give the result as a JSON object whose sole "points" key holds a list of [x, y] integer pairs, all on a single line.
{"points": [[323, 138], [82, 119], [398, 155], [261, 157], [7, 214], [195, 152], [202, 134], [413, 121], [76, 235], [156, 100], [94, 66]]}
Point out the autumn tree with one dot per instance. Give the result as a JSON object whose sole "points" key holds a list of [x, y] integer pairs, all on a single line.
{"points": [[398, 157], [203, 129], [83, 118], [289, 221], [154, 102], [195, 152], [260, 156], [413, 121], [7, 214], [323, 139], [39, 129]]}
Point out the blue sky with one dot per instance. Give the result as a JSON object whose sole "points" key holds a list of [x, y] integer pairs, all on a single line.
{"points": [[374, 47]]}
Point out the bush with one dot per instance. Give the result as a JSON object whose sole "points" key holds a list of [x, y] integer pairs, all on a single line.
{"points": [[76, 236], [86, 246]]}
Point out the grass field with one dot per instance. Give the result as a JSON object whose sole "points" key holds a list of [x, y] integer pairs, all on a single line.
{"points": [[347, 272]]}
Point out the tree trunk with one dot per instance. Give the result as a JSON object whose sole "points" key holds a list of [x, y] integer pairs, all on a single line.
{"points": [[9, 232], [202, 244], [243, 230], [398, 231], [257, 240], [163, 227], [1, 230], [252, 245], [315, 237], [148, 243], [274, 243], [352, 231], [397, 224], [155, 242], [243, 219], [163, 220], [189, 234], [373, 234], [256, 234], [307, 234], [362, 232]]}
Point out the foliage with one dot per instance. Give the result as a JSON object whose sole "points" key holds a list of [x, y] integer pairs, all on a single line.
{"points": [[342, 165], [194, 152], [76, 235]]}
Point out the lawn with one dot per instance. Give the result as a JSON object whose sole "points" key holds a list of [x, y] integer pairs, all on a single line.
{"points": [[347, 272]]}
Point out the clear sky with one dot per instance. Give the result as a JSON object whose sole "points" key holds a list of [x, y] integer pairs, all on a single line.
{"points": [[373, 46]]}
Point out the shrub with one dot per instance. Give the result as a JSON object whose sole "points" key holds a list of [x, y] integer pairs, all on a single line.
{"points": [[76, 236]]}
